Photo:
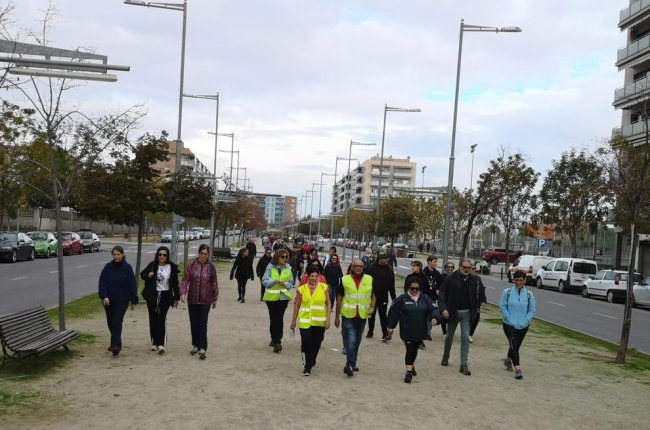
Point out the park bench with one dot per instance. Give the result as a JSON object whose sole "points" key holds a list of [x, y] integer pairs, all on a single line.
{"points": [[29, 333], [222, 253]]}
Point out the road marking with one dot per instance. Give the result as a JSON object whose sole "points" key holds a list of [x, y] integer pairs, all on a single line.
{"points": [[492, 288], [603, 315], [56, 271], [191, 255], [22, 277], [404, 267], [558, 304], [150, 252], [80, 267]]}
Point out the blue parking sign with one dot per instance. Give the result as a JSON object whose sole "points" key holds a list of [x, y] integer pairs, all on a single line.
{"points": [[541, 243]]}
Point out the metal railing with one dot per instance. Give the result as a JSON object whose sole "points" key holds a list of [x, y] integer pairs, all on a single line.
{"points": [[633, 88], [635, 47], [630, 130], [633, 9]]}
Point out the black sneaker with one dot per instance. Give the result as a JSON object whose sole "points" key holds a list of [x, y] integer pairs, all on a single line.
{"points": [[423, 346], [277, 348], [243, 300], [369, 335], [271, 343], [445, 361], [355, 369], [306, 372], [465, 370], [386, 338], [348, 371], [414, 372], [429, 338], [408, 378]]}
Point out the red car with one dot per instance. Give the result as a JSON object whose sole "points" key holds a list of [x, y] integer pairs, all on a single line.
{"points": [[72, 243], [498, 255]]}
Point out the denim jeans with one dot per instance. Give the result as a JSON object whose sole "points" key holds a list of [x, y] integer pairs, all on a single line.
{"points": [[352, 333], [114, 318], [462, 317]]}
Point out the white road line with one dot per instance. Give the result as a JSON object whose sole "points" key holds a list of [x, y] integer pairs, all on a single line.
{"points": [[558, 304], [404, 267], [492, 288], [80, 267], [191, 255], [150, 252], [22, 277], [603, 315], [55, 271]]}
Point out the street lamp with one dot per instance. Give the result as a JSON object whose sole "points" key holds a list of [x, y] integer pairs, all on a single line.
{"points": [[463, 28], [232, 153], [336, 167], [423, 169], [381, 161], [181, 7], [320, 196], [311, 210], [471, 176], [232, 148]]}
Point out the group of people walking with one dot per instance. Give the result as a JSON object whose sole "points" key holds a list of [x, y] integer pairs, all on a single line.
{"points": [[429, 298]]}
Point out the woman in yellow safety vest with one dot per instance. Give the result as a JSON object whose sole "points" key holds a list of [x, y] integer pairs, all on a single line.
{"points": [[278, 280], [312, 309]]}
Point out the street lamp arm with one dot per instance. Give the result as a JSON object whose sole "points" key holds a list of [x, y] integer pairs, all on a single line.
{"points": [[203, 96], [511, 29], [171, 6], [395, 109]]}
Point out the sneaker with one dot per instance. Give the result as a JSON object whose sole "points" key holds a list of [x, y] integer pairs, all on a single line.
{"points": [[355, 369], [239, 299], [194, 350], [153, 347], [471, 340], [414, 372], [465, 370], [271, 343], [508, 365], [369, 335], [344, 351], [423, 346], [444, 336], [445, 361], [202, 354], [348, 371], [161, 350], [306, 372], [519, 374], [277, 348], [243, 300], [408, 378], [429, 338], [386, 338]]}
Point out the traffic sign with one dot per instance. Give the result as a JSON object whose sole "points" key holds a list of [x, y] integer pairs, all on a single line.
{"points": [[541, 243], [345, 230]]}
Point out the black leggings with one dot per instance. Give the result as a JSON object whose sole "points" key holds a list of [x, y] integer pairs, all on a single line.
{"points": [[263, 288], [477, 318], [515, 338], [382, 309], [158, 317], [412, 347], [310, 341], [276, 317], [443, 325], [241, 287]]}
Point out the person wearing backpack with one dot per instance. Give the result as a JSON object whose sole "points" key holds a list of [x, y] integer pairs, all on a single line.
{"points": [[518, 308]]}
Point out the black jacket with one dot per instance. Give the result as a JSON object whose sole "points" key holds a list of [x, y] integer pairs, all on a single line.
{"points": [[150, 293], [481, 291], [333, 274], [383, 281], [252, 249], [450, 294], [242, 268], [261, 265], [435, 281], [424, 283], [413, 317]]}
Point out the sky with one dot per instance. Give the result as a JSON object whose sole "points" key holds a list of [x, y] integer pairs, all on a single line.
{"points": [[299, 79]]}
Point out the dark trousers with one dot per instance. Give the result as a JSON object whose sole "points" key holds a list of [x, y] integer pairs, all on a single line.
{"points": [[241, 287], [115, 317], [276, 317], [158, 318], [477, 318], [199, 324], [412, 348], [263, 290], [515, 338], [382, 310], [443, 325], [310, 341]]}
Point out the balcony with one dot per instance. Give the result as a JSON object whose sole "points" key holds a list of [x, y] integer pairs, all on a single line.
{"points": [[634, 54], [631, 132], [398, 174], [633, 13], [629, 94]]}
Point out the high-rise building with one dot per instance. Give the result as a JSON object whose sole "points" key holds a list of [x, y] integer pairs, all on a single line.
{"points": [[361, 187], [277, 209], [634, 60], [188, 161]]}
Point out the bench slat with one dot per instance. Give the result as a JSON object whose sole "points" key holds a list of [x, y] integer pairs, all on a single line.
{"points": [[19, 326], [20, 315], [53, 338], [15, 341]]}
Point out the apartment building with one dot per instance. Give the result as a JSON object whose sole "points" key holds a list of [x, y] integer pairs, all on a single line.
{"points": [[277, 209], [361, 187], [188, 161]]}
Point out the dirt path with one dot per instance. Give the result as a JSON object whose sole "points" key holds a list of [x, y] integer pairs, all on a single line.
{"points": [[243, 384]]}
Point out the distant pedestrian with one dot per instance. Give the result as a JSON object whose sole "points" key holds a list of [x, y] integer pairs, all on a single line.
{"points": [[321, 277], [242, 270], [518, 309], [117, 288], [392, 257], [278, 280], [449, 269], [367, 260], [334, 274], [481, 301], [414, 311], [383, 287], [435, 282], [252, 248], [262, 263], [312, 310], [331, 252], [421, 246], [201, 291], [161, 292], [428, 247]]}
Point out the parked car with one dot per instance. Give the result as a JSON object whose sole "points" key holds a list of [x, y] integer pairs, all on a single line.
{"points": [[530, 265], [71, 243], [566, 274], [16, 246], [45, 244], [206, 234], [89, 240], [198, 232], [498, 255], [608, 283], [641, 293], [181, 236], [166, 236]]}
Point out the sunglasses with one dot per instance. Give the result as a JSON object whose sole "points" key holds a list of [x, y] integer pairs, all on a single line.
{"points": [[162, 255], [465, 267], [283, 257], [414, 288], [449, 267]]}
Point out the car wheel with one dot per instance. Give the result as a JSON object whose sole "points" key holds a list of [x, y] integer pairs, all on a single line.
{"points": [[47, 253], [585, 292], [14, 256], [494, 260], [561, 287], [539, 283], [32, 255], [610, 296]]}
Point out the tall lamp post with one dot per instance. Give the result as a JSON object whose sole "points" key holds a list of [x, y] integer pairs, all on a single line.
{"points": [[307, 192], [232, 151], [450, 182], [381, 161], [311, 210], [181, 7], [471, 175], [336, 168], [423, 169], [320, 197]]}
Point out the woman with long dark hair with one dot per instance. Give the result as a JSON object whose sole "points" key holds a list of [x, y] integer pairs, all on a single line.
{"points": [[264, 261], [278, 280], [117, 288], [333, 273], [161, 292], [242, 270]]}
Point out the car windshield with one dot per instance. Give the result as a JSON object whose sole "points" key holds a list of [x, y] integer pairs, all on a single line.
{"points": [[12, 237], [586, 268], [85, 235], [67, 236], [167, 232], [37, 236]]}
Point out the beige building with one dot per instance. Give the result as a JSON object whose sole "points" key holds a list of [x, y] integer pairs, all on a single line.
{"points": [[362, 185], [188, 161]]}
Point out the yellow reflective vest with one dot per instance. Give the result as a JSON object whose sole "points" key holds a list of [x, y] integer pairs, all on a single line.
{"points": [[313, 308], [357, 299], [272, 294]]}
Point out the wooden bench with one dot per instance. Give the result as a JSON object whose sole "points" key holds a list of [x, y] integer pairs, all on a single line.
{"points": [[29, 333], [222, 253]]}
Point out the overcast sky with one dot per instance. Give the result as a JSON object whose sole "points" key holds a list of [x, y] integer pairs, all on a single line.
{"points": [[299, 79]]}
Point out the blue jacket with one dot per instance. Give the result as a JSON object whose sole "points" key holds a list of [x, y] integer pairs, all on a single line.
{"points": [[117, 282], [268, 282], [412, 317], [516, 309]]}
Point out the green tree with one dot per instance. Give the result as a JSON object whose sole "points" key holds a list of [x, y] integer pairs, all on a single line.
{"points": [[396, 216], [573, 195], [429, 217]]}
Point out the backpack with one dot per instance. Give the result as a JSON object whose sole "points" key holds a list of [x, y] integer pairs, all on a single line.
{"points": [[508, 299]]}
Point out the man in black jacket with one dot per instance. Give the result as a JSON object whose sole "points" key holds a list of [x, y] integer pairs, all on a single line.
{"points": [[416, 267], [435, 281], [458, 303], [252, 248], [383, 284]]}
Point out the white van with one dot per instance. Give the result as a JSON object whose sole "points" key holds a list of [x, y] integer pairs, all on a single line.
{"points": [[530, 265], [609, 283], [566, 274]]}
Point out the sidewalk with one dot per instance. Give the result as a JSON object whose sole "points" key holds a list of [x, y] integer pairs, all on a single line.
{"points": [[244, 385]]}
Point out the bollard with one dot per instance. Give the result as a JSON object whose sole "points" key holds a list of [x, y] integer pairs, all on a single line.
{"points": [[502, 273]]}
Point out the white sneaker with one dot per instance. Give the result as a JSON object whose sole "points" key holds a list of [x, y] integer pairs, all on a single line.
{"points": [[202, 354], [153, 347], [161, 350], [194, 350], [471, 340]]}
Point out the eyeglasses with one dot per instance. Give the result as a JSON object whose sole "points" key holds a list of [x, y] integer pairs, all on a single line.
{"points": [[204, 252], [472, 268], [283, 257], [449, 267], [162, 255], [414, 288], [357, 265], [466, 267]]}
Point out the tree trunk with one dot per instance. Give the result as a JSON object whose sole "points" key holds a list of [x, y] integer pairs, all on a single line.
{"points": [[595, 237], [138, 259], [59, 236], [507, 262], [627, 320], [40, 218], [463, 251]]}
